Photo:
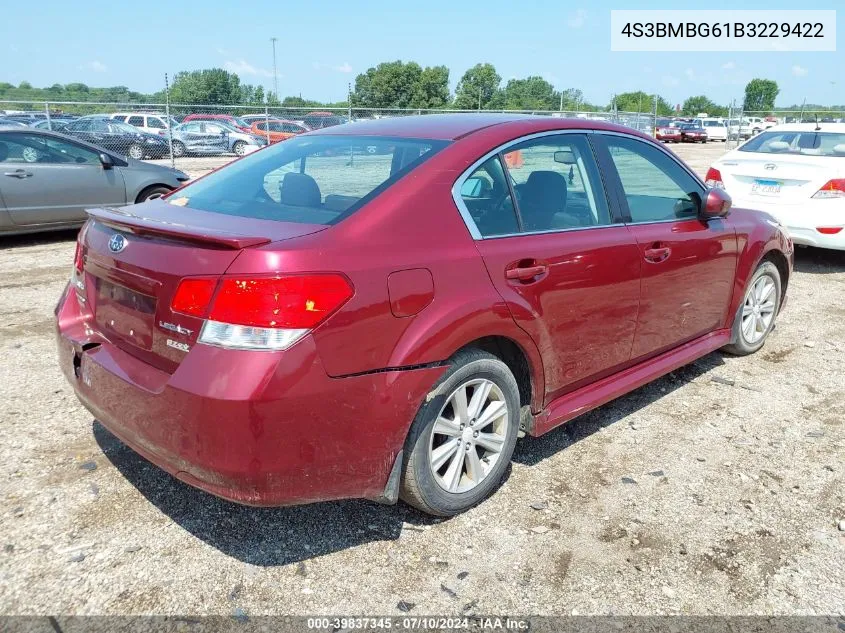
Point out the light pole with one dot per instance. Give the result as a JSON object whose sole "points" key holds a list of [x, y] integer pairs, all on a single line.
{"points": [[275, 76]]}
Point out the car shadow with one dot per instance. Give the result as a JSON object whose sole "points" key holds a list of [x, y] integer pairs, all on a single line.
{"points": [[261, 536], [533, 450], [36, 239], [819, 261]]}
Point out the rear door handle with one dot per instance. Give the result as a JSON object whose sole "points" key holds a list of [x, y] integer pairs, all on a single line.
{"points": [[656, 253], [18, 173], [526, 273]]}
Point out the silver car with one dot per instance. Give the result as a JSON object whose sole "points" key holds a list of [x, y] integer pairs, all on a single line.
{"points": [[47, 180], [212, 137]]}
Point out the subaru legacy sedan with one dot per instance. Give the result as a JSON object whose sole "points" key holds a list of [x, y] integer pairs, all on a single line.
{"points": [[305, 325]]}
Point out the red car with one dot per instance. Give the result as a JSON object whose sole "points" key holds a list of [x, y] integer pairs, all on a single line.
{"points": [[234, 121], [691, 133], [305, 325], [667, 134]]}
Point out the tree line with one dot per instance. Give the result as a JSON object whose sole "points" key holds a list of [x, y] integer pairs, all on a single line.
{"points": [[399, 84]]}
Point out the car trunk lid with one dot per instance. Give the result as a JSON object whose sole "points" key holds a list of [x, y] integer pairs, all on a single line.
{"points": [[776, 177], [134, 258]]}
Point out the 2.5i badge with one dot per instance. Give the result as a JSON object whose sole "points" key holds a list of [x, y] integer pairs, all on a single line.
{"points": [[182, 347]]}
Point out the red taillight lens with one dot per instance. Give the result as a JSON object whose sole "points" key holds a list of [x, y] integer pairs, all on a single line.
{"points": [[714, 178], [829, 230], [78, 262], [193, 296], [295, 301], [832, 189]]}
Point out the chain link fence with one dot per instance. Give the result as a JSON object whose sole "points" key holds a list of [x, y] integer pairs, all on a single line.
{"points": [[197, 138]]}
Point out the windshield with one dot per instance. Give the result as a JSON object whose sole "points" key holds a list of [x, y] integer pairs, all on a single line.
{"points": [[124, 127], [311, 180], [809, 143], [714, 124], [238, 122]]}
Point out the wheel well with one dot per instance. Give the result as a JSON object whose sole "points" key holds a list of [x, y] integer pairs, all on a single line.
{"points": [[511, 355], [779, 260], [146, 190]]}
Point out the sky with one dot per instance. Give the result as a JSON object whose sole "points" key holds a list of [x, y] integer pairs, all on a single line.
{"points": [[322, 46]]}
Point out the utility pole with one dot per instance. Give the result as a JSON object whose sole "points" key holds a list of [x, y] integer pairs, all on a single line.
{"points": [[275, 75], [479, 99], [561, 101]]}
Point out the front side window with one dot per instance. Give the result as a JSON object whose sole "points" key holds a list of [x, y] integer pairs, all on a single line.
{"points": [[316, 180], [556, 184], [656, 187], [807, 143]]}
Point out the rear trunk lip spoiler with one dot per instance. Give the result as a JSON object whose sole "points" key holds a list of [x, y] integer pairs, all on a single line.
{"points": [[146, 226]]}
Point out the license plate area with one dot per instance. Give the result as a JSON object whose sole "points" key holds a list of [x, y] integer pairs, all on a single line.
{"points": [[766, 187], [126, 313]]}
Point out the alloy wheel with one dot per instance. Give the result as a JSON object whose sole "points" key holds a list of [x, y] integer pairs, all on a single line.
{"points": [[758, 311], [468, 436]]}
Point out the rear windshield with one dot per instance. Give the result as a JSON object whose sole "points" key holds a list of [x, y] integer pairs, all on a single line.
{"points": [[809, 143], [308, 179]]}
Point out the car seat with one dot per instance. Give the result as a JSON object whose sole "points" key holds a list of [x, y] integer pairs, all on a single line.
{"points": [[299, 190]]}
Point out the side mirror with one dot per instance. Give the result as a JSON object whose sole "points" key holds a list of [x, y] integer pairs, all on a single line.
{"points": [[717, 204], [106, 161]]}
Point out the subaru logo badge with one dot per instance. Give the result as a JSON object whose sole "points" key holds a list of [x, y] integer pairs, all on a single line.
{"points": [[770, 166], [117, 243]]}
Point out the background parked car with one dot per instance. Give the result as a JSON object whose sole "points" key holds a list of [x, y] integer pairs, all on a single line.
{"points": [[693, 133], [51, 179], [716, 128], [151, 123], [117, 137], [57, 125], [212, 138], [233, 121], [667, 131], [6, 122], [277, 129], [320, 120], [794, 172]]}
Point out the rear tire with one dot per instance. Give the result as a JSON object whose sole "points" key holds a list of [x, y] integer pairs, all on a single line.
{"points": [[756, 315], [461, 441]]}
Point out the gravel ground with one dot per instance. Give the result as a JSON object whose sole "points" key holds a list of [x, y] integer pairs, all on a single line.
{"points": [[716, 489]]}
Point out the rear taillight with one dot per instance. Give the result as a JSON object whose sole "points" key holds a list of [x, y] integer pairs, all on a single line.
{"points": [[78, 262], [714, 178], [829, 230], [193, 296], [832, 189], [77, 277], [261, 313]]}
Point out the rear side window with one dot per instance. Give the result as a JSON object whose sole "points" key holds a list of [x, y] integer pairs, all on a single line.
{"points": [[809, 143], [312, 180], [487, 198], [137, 121]]}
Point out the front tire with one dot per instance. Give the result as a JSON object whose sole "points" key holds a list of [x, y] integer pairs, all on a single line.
{"points": [[135, 151], [151, 193], [239, 148], [179, 149], [461, 441], [755, 317]]}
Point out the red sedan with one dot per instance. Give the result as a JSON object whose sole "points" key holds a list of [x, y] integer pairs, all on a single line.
{"points": [[691, 133], [306, 324], [667, 134]]}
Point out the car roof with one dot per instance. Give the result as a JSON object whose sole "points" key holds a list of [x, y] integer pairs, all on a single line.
{"points": [[454, 126], [808, 127]]}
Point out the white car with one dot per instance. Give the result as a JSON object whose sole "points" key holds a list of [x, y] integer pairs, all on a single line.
{"points": [[717, 129], [152, 123], [796, 173]]}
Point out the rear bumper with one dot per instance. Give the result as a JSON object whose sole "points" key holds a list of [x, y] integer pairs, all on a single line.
{"points": [[801, 220], [252, 427]]}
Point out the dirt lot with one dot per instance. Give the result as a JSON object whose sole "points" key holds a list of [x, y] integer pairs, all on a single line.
{"points": [[716, 489]]}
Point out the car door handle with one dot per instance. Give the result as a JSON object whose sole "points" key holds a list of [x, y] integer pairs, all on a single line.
{"points": [[656, 253], [18, 173], [526, 273]]}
